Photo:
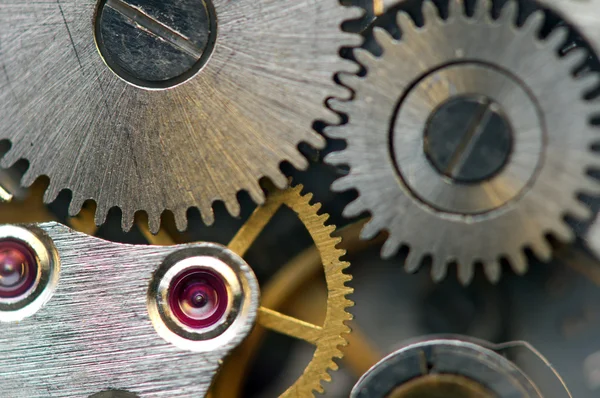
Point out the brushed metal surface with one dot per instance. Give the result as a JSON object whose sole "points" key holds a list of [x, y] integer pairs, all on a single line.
{"points": [[204, 140], [94, 334], [499, 236]]}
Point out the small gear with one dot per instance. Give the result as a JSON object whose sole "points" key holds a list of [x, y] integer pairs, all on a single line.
{"points": [[328, 338], [153, 106], [469, 139]]}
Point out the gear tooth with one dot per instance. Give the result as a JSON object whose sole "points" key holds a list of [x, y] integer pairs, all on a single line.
{"points": [[430, 12], [465, 271], [279, 180], [370, 230], [298, 160], [575, 58], [542, 249], [51, 193], [348, 67], [353, 208], [338, 158], [518, 262], [338, 132], [338, 105], [412, 262], [405, 23], [233, 206], [28, 178], [562, 231], [208, 215], [483, 10], [558, 37], [592, 186], [579, 210], [383, 38], [365, 58], [439, 269], [342, 184], [533, 24], [588, 82], [181, 221], [508, 12], [354, 12], [76, 205], [154, 222], [456, 9], [101, 214], [492, 271], [256, 194]]}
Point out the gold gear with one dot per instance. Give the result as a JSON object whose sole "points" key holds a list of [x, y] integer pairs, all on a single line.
{"points": [[328, 338]]}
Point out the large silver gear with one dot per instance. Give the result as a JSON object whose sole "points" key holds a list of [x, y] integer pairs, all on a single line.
{"points": [[496, 220], [204, 139]]}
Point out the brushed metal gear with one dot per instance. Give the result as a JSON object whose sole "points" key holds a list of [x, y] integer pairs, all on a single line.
{"points": [[493, 221], [156, 147]]}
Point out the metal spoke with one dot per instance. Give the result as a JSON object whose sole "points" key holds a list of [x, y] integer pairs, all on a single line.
{"points": [[289, 325], [248, 233]]}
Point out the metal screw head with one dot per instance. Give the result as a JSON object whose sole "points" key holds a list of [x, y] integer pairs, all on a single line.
{"points": [[155, 44], [468, 139]]}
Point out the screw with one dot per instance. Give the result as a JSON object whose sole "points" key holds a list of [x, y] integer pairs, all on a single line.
{"points": [[155, 44], [468, 139]]}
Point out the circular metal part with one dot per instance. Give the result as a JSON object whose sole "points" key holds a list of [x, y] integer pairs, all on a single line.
{"points": [[457, 366], [441, 386], [18, 269], [167, 105], [199, 299], [29, 271], [467, 139], [155, 44], [536, 120]]}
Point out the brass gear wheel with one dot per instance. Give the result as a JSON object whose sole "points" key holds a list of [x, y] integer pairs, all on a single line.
{"points": [[327, 338]]}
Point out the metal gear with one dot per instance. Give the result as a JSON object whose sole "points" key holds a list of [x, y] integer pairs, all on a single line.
{"points": [[153, 106], [510, 73], [329, 337]]}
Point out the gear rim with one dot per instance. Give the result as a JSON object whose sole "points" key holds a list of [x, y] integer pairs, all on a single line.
{"points": [[405, 226], [223, 145]]}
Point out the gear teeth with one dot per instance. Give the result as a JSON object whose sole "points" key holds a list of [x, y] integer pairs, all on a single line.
{"points": [[181, 222], [575, 58], [588, 82], [279, 180], [430, 12], [339, 105], [390, 248], [354, 12], [208, 215], [153, 223], [483, 10], [370, 230], [542, 249], [406, 24], [456, 9], [508, 13], [343, 184], [518, 262], [384, 39], [493, 271], [533, 24], [51, 193], [558, 37], [28, 178], [75, 205], [337, 159], [365, 58], [563, 232], [579, 210], [349, 67], [300, 162], [439, 269], [412, 263], [334, 132], [353, 209], [466, 272]]}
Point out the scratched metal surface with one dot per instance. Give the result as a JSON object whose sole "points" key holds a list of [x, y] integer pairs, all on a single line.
{"points": [[257, 96], [94, 334]]}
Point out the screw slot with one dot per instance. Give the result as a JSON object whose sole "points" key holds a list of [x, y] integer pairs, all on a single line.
{"points": [[155, 45]]}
